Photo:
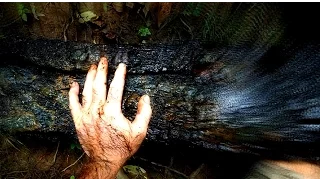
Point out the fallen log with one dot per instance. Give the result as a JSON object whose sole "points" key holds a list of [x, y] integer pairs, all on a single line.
{"points": [[250, 99]]}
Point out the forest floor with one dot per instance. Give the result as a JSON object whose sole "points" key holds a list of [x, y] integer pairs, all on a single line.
{"points": [[33, 158]]}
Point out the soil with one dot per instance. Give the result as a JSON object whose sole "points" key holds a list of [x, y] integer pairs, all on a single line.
{"points": [[25, 158]]}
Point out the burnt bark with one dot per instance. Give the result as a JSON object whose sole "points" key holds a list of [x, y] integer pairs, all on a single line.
{"points": [[251, 99]]}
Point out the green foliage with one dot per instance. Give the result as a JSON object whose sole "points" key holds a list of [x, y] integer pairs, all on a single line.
{"points": [[144, 31], [135, 172], [234, 23], [87, 16], [72, 177], [22, 11], [105, 7], [193, 9], [75, 145]]}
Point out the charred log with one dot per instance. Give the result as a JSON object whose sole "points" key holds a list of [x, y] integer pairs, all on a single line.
{"points": [[251, 99]]}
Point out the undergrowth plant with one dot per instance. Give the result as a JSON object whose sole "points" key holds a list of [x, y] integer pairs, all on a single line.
{"points": [[144, 31], [233, 23], [23, 11]]}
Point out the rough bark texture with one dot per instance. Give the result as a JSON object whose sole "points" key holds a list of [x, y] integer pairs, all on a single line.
{"points": [[249, 99]]}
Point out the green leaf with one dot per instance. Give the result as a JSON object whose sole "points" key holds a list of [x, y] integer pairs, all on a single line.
{"points": [[72, 146], [105, 7], [20, 7], [78, 146], [72, 177], [24, 17], [135, 171], [25, 10], [144, 31], [86, 16]]}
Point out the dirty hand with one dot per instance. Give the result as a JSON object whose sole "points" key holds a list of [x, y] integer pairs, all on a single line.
{"points": [[106, 136]]}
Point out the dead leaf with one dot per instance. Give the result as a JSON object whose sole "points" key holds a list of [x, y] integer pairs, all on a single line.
{"points": [[98, 23], [130, 4], [149, 7], [40, 14], [110, 35], [118, 6], [164, 12], [146, 9]]}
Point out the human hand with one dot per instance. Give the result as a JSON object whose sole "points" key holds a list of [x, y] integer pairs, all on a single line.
{"points": [[106, 136]]}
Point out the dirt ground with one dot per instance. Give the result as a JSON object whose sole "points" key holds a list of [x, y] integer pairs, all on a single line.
{"points": [[35, 158]]}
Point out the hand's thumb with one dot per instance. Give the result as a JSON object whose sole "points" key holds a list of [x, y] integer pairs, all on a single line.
{"points": [[140, 124]]}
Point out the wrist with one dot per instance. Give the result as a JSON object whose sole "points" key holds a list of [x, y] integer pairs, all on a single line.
{"points": [[100, 169]]}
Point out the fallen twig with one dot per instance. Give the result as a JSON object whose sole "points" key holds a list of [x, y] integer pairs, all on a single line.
{"points": [[55, 155], [166, 172], [72, 163], [190, 31], [195, 173], [8, 140], [14, 172], [166, 167]]}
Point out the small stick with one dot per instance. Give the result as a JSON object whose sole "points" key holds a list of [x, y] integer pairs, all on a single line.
{"points": [[8, 140], [166, 172], [13, 172], [55, 155], [190, 31], [72, 163], [163, 166], [196, 172]]}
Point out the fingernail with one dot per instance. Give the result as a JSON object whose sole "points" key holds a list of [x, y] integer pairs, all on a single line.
{"points": [[103, 60], [93, 66], [122, 65], [146, 99], [73, 84]]}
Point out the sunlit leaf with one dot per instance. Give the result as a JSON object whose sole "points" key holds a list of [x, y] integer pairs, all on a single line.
{"points": [[86, 16], [135, 171], [144, 31], [72, 177]]}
